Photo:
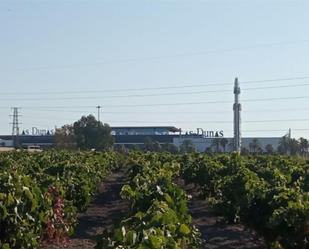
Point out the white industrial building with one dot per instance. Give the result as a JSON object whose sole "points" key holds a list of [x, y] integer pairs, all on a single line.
{"points": [[203, 144]]}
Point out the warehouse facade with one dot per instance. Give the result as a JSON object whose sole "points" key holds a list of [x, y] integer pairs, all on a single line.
{"points": [[137, 135]]}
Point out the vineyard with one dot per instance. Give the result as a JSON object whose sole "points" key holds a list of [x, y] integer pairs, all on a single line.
{"points": [[41, 195]]}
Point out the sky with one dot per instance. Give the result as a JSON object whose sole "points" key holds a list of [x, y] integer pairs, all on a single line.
{"points": [[156, 63]]}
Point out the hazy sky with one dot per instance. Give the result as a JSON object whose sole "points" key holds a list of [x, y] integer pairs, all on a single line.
{"points": [[60, 59]]}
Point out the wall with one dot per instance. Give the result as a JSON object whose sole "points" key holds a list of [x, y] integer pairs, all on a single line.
{"points": [[201, 144], [6, 143]]}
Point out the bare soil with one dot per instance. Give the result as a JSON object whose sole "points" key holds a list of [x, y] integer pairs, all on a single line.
{"points": [[106, 209], [217, 234]]}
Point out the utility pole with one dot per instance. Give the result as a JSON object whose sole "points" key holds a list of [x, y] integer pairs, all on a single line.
{"points": [[15, 126], [289, 141], [237, 119], [99, 108]]}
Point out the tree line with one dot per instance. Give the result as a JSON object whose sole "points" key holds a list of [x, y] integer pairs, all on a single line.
{"points": [[287, 146]]}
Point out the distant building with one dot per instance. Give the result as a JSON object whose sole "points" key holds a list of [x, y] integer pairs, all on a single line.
{"points": [[6, 142], [136, 135], [128, 136], [24, 141], [144, 130], [203, 144]]}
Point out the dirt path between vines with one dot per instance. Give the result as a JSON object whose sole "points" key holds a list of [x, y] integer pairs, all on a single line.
{"points": [[218, 235], [106, 209]]}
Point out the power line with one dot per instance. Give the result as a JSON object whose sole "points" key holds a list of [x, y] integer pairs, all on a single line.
{"points": [[132, 112], [264, 130], [164, 123], [152, 95], [202, 122], [167, 104], [208, 121], [275, 120], [159, 88], [297, 129], [162, 113], [277, 110], [302, 108], [275, 87]]}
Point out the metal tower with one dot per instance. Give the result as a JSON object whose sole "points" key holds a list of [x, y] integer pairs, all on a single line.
{"points": [[99, 109], [15, 126], [237, 119]]}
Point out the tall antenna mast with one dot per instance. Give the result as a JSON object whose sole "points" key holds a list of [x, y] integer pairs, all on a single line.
{"points": [[237, 119]]}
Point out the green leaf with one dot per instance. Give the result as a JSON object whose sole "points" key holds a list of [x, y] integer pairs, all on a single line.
{"points": [[131, 237], [168, 199], [184, 229], [3, 212], [118, 235], [10, 199], [156, 241], [6, 246]]}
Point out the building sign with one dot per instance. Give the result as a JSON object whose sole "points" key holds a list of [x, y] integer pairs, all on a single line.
{"points": [[206, 133], [38, 132]]}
